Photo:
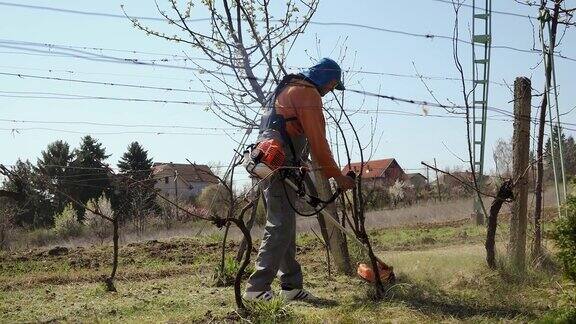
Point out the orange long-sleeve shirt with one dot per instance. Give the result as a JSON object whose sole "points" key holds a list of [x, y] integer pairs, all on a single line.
{"points": [[302, 100]]}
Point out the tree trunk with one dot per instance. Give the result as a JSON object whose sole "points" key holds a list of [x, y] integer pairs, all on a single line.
{"points": [[250, 223], [521, 151], [537, 245], [110, 281], [335, 239], [504, 193]]}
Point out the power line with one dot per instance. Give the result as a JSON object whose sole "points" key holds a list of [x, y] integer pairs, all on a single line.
{"points": [[93, 73], [17, 130], [115, 124], [108, 15], [345, 24], [136, 86], [65, 96], [61, 96], [30, 76], [186, 58], [361, 111], [77, 12]]}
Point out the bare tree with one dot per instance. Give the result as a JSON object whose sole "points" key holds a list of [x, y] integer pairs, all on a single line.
{"points": [[503, 157], [356, 218], [95, 209], [245, 47], [244, 40]]}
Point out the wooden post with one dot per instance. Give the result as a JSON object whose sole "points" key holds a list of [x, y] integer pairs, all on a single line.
{"points": [[521, 155], [335, 239]]}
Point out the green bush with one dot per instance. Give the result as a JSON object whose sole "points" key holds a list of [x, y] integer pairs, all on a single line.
{"points": [[99, 227], [216, 199], [565, 312], [66, 223], [564, 234]]}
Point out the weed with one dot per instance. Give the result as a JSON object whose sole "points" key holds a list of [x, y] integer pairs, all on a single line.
{"points": [[214, 238], [511, 274], [275, 310], [225, 277]]}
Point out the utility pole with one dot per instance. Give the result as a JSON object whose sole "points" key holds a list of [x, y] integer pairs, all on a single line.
{"points": [[481, 46], [547, 51], [550, 22], [521, 155], [437, 181]]}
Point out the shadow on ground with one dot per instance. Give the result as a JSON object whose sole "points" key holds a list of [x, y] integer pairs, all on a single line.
{"points": [[433, 301]]}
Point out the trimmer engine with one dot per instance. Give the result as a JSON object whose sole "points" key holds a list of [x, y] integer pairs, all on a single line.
{"points": [[265, 158]]}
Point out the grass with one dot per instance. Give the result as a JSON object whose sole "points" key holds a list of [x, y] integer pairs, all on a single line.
{"points": [[441, 273], [420, 237]]}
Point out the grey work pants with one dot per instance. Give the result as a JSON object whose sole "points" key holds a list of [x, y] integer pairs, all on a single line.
{"points": [[277, 254]]}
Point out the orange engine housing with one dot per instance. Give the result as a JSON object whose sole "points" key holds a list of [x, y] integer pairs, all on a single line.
{"points": [[367, 273], [271, 153]]}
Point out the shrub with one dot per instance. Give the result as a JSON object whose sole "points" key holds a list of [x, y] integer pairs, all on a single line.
{"points": [[375, 197], [564, 233], [66, 223], [397, 192], [98, 226], [216, 199], [7, 216]]}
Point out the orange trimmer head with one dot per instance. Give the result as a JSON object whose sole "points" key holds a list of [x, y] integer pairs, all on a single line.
{"points": [[367, 273]]}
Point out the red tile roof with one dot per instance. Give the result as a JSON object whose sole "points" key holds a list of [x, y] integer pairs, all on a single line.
{"points": [[372, 169]]}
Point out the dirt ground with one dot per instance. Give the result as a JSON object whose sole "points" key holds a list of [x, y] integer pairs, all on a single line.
{"points": [[441, 272]]}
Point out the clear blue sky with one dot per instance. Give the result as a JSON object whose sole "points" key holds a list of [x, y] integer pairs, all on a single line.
{"points": [[410, 139]]}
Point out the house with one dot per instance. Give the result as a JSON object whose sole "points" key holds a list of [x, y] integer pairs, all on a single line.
{"points": [[182, 180], [383, 172], [418, 181]]}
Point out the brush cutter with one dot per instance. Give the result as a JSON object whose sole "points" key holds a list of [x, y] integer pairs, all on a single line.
{"points": [[267, 157]]}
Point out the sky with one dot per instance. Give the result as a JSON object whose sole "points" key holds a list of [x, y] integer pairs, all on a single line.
{"points": [[180, 131]]}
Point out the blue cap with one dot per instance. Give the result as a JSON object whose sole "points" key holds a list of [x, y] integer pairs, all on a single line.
{"points": [[325, 71]]}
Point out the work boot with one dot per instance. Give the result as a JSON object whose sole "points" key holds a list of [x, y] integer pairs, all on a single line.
{"points": [[258, 295], [296, 294]]}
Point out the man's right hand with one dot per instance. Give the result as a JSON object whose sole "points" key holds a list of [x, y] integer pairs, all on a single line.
{"points": [[345, 182]]}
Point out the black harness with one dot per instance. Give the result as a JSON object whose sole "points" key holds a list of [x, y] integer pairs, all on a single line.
{"points": [[272, 120]]}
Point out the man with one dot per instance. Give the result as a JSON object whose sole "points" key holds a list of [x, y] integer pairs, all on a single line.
{"points": [[298, 104]]}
